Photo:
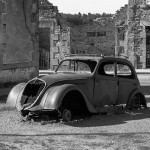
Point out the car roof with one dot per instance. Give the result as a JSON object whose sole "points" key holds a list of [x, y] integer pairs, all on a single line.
{"points": [[83, 58], [95, 58]]}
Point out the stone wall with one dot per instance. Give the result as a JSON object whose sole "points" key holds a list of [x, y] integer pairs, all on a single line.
{"points": [[96, 38], [50, 27], [121, 32], [60, 44], [134, 31], [18, 40]]}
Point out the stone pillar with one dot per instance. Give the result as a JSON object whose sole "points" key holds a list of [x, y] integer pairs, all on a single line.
{"points": [[60, 44], [135, 32], [121, 32]]}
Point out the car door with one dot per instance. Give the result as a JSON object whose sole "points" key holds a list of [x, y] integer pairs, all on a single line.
{"points": [[106, 85], [127, 81]]}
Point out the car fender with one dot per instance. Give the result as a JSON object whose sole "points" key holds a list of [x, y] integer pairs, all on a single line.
{"points": [[136, 91], [14, 95], [53, 97]]}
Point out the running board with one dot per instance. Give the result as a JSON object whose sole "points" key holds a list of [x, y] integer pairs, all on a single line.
{"points": [[110, 109]]}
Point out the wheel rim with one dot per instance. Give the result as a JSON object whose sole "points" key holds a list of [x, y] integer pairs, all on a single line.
{"points": [[135, 102], [66, 115]]}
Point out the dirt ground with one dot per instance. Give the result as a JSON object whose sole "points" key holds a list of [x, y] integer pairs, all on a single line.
{"points": [[130, 131], [123, 131]]}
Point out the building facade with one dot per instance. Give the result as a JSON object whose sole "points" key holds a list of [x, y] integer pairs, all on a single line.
{"points": [[133, 33], [18, 40], [127, 35], [54, 38], [95, 38], [47, 15]]}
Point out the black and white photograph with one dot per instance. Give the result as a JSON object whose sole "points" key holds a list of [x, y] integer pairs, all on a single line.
{"points": [[74, 75]]}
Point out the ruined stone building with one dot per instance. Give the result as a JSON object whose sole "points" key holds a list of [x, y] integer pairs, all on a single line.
{"points": [[47, 15], [133, 33], [127, 36], [18, 40], [26, 25], [95, 38], [54, 39]]}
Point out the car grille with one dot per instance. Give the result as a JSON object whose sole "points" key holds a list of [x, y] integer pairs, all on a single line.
{"points": [[32, 91]]}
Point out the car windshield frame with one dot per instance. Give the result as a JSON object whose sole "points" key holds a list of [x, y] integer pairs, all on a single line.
{"points": [[73, 67]]}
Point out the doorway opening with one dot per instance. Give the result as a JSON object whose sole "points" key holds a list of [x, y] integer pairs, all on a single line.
{"points": [[148, 47]]}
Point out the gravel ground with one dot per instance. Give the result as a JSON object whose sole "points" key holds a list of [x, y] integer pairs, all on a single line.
{"points": [[129, 130]]}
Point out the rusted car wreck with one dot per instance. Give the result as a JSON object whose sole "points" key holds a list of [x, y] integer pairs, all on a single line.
{"points": [[80, 84]]}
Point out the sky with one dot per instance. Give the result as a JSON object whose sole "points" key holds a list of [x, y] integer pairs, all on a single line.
{"points": [[88, 6]]}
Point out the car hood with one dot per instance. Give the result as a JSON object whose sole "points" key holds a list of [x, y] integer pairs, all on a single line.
{"points": [[58, 77]]}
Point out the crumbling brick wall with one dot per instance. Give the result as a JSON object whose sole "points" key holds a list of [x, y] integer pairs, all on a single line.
{"points": [[18, 40], [134, 26], [60, 44], [59, 36]]}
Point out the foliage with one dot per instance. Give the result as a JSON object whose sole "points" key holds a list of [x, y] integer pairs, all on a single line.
{"points": [[82, 19]]}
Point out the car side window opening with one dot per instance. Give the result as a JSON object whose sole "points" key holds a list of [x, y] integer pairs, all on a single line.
{"points": [[87, 65], [82, 67], [124, 71], [107, 69], [77, 65]]}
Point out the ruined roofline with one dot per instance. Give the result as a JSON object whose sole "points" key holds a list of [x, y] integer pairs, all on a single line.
{"points": [[48, 8], [44, 2], [46, 5]]}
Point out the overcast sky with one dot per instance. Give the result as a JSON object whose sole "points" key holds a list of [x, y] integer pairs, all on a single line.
{"points": [[88, 6]]}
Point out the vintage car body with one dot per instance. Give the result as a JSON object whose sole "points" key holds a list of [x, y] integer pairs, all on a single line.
{"points": [[97, 83]]}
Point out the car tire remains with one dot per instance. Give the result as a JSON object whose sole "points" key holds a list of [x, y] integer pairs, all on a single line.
{"points": [[136, 103], [66, 115]]}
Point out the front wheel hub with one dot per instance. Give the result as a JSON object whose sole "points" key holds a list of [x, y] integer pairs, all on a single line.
{"points": [[66, 115]]}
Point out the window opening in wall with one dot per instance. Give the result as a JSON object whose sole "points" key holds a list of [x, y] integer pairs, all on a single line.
{"points": [[3, 8], [148, 47], [102, 33], [4, 28], [121, 36], [4, 45], [91, 33]]}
